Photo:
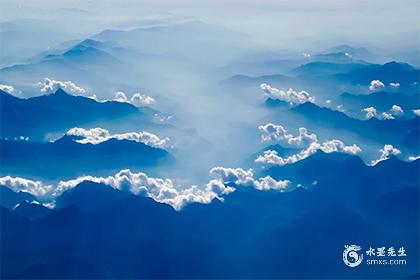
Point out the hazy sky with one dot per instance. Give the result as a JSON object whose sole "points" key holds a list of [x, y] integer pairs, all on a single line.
{"points": [[273, 23]]}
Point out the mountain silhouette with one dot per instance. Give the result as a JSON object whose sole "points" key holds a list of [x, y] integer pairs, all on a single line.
{"points": [[68, 158], [35, 117], [104, 231]]}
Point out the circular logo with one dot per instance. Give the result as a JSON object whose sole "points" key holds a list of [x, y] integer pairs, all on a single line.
{"points": [[351, 257]]}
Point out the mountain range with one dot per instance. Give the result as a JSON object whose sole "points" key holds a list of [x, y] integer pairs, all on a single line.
{"points": [[108, 233], [66, 158], [35, 117]]}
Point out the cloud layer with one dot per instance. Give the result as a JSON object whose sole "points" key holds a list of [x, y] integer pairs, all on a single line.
{"points": [[137, 99], [272, 157], [98, 135], [386, 151], [50, 86], [393, 112], [8, 88], [291, 96], [272, 132], [161, 190], [370, 112], [376, 85]]}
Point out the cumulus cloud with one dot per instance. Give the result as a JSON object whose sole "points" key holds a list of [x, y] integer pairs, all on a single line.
{"points": [[272, 132], [370, 112], [160, 190], [120, 97], [416, 112], [413, 158], [8, 88], [292, 96], [340, 108], [137, 99], [98, 135], [243, 177], [394, 85], [390, 115], [396, 110], [376, 85], [387, 116], [50, 86], [18, 184], [328, 146], [142, 99], [385, 152]]}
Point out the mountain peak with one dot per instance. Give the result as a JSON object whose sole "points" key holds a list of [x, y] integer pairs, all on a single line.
{"points": [[60, 91]]}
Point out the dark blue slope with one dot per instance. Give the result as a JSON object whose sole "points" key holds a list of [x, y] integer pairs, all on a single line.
{"points": [[390, 131], [10, 199], [34, 117], [253, 234], [67, 158]]}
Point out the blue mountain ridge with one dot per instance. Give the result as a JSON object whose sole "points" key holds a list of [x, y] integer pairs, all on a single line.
{"points": [[35, 117], [67, 158], [274, 233]]}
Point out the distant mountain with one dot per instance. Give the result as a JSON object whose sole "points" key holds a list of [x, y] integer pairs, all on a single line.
{"points": [[67, 158], [336, 57], [88, 62], [382, 101], [391, 72], [36, 116], [389, 130], [349, 204], [357, 53], [319, 76], [254, 82], [257, 68], [10, 199], [319, 68], [31, 210], [189, 39], [386, 176]]}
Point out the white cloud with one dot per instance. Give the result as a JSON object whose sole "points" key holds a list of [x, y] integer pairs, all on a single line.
{"points": [[137, 99], [413, 158], [120, 97], [98, 135], [376, 85], [243, 177], [396, 110], [8, 88], [416, 112], [142, 100], [18, 184], [386, 151], [50, 86], [387, 116], [290, 95], [272, 132], [329, 146], [394, 85], [340, 108], [370, 112]]}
